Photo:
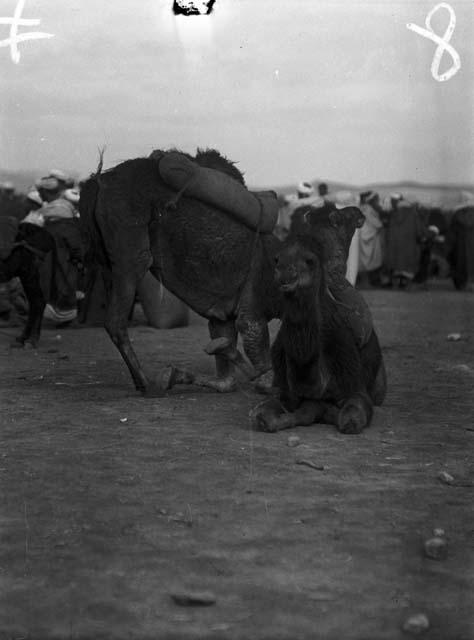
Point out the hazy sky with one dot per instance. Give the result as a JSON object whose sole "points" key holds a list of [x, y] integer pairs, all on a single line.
{"points": [[291, 90]]}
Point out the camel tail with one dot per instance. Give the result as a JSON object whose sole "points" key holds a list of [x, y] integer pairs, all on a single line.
{"points": [[92, 238]]}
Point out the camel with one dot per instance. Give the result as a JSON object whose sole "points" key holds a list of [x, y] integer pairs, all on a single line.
{"points": [[322, 372], [222, 269]]}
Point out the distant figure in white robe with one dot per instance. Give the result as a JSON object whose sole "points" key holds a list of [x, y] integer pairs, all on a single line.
{"points": [[371, 234]]}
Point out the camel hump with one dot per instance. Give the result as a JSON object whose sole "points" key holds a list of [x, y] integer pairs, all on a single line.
{"points": [[257, 210]]}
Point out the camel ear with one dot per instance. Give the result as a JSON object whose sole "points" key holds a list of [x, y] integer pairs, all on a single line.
{"points": [[335, 218], [355, 215]]}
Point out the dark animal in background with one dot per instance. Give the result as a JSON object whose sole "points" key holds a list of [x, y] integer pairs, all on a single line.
{"points": [[320, 370], [23, 257], [460, 247], [218, 266]]}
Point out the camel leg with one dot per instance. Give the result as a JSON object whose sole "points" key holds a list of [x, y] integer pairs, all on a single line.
{"points": [[225, 380], [352, 415], [224, 368], [29, 278], [121, 298], [253, 327], [270, 416], [379, 390], [22, 263], [220, 329], [256, 342]]}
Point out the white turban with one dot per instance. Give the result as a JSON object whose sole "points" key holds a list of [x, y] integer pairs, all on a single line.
{"points": [[72, 195], [305, 188]]}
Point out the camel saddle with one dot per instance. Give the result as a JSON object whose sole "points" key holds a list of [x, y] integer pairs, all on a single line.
{"points": [[258, 210]]}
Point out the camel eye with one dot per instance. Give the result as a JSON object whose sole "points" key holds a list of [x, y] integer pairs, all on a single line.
{"points": [[309, 262]]}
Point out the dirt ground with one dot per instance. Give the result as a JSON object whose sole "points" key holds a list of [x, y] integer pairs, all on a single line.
{"points": [[111, 503]]}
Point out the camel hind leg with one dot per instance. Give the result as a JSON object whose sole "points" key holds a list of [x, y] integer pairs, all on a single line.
{"points": [[121, 296], [128, 259], [224, 368]]}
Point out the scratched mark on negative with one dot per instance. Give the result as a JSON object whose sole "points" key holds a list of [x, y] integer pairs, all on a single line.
{"points": [[15, 38], [442, 42], [193, 7]]}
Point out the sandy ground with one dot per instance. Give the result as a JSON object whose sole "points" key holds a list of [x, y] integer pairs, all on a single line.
{"points": [[111, 503]]}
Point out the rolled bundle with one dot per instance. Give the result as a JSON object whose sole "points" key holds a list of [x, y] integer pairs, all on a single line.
{"points": [[257, 210]]}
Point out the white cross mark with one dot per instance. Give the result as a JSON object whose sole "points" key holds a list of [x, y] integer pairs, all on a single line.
{"points": [[15, 38], [443, 43]]}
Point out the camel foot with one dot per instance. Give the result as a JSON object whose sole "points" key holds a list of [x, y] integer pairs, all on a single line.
{"points": [[354, 415], [168, 377], [266, 416], [264, 384], [222, 385], [171, 376], [24, 343], [153, 391]]}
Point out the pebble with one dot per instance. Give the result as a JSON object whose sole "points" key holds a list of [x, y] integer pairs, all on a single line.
{"points": [[310, 463], [194, 598], [416, 624], [293, 441], [445, 477], [436, 548]]}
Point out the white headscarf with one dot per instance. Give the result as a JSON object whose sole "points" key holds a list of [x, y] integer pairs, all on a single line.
{"points": [[305, 188]]}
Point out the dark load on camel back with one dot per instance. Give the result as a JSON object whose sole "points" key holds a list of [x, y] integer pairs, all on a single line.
{"points": [[322, 370], [206, 256], [257, 210]]}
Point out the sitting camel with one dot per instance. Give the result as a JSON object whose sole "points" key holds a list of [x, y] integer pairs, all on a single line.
{"points": [[322, 370]]}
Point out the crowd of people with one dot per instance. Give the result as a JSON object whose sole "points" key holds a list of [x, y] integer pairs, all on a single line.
{"points": [[52, 203], [401, 242]]}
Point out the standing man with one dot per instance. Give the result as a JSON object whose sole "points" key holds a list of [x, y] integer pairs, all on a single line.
{"points": [[371, 238], [403, 235], [460, 241], [60, 218]]}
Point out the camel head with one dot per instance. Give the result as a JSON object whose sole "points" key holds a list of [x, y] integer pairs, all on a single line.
{"points": [[299, 267]]}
